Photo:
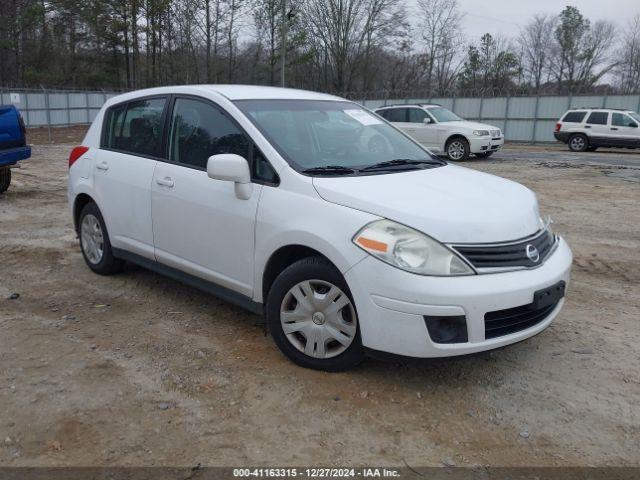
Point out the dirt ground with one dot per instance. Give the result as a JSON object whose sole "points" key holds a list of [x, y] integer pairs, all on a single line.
{"points": [[136, 369]]}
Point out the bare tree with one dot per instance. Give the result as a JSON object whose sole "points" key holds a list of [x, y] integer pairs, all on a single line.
{"points": [[595, 61], [535, 42], [627, 71], [440, 28], [344, 32]]}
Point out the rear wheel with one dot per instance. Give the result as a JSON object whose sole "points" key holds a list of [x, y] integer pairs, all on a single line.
{"points": [[484, 154], [94, 242], [312, 316], [5, 179], [578, 143], [457, 149]]}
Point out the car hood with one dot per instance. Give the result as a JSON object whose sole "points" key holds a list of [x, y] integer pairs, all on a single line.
{"points": [[451, 204], [470, 125]]}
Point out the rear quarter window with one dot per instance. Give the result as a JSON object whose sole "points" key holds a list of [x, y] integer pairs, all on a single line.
{"points": [[574, 117]]}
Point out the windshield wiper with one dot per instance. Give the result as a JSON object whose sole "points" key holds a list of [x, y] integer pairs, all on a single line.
{"points": [[399, 162], [330, 170]]}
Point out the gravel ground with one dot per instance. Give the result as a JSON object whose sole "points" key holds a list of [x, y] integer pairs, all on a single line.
{"points": [[136, 369]]}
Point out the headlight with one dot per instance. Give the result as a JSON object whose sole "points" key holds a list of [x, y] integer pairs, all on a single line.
{"points": [[545, 224], [481, 133], [409, 250]]}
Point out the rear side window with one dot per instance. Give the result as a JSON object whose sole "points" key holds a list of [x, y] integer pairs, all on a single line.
{"points": [[135, 127], [199, 130], [598, 118], [574, 117], [397, 115]]}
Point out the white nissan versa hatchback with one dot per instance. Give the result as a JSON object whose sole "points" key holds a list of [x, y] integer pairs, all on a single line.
{"points": [[346, 233]]}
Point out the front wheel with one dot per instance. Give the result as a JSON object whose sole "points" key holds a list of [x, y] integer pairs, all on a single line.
{"points": [[5, 179], [312, 316], [578, 143], [457, 149]]}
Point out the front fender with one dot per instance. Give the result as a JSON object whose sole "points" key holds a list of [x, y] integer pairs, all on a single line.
{"points": [[328, 229]]}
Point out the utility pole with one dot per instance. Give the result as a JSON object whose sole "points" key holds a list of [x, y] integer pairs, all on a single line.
{"points": [[283, 48]]}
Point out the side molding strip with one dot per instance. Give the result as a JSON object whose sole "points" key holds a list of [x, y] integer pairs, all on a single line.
{"points": [[209, 287]]}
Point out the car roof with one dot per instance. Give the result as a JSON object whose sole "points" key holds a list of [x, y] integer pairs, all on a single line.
{"points": [[232, 92], [600, 109], [401, 105]]}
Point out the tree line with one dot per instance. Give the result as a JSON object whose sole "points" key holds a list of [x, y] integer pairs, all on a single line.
{"points": [[340, 46]]}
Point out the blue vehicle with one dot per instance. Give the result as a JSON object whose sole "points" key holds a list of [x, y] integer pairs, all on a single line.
{"points": [[13, 143]]}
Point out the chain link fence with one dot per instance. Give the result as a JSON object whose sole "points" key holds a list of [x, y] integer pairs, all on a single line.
{"points": [[522, 118]]}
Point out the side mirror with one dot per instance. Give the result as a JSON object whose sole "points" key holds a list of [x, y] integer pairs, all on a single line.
{"points": [[231, 168], [426, 120], [633, 125]]}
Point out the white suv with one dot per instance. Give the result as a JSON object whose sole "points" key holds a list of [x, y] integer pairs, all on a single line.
{"points": [[586, 129], [443, 132], [346, 233]]}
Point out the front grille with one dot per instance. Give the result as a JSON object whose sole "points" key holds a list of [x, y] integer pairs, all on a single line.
{"points": [[513, 254], [511, 320]]}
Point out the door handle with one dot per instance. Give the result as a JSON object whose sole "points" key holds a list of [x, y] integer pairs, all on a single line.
{"points": [[613, 128], [587, 126], [165, 182], [102, 166]]}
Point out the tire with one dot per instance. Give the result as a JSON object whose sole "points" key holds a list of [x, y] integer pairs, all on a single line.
{"points": [[94, 242], [457, 149], [312, 280], [5, 179], [578, 143], [484, 154]]}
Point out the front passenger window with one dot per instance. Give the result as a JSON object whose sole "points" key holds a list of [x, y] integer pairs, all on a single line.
{"points": [[417, 115], [199, 130], [621, 120]]}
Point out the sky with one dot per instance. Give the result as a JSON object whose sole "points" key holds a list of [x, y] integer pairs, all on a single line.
{"points": [[505, 17]]}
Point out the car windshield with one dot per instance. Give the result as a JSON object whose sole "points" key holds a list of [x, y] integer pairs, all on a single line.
{"points": [[441, 114], [635, 116], [338, 137]]}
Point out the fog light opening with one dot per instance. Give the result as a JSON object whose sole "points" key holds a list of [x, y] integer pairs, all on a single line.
{"points": [[447, 329]]}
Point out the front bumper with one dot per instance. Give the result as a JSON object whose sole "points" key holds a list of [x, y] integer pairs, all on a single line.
{"points": [[485, 144], [392, 304]]}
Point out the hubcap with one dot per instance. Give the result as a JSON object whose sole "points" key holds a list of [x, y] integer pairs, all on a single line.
{"points": [[92, 239], [456, 150], [318, 319], [577, 143]]}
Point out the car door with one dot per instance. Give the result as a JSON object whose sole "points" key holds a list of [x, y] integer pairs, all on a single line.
{"points": [[598, 129], [399, 117], [425, 133], [124, 167], [200, 226], [624, 130]]}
